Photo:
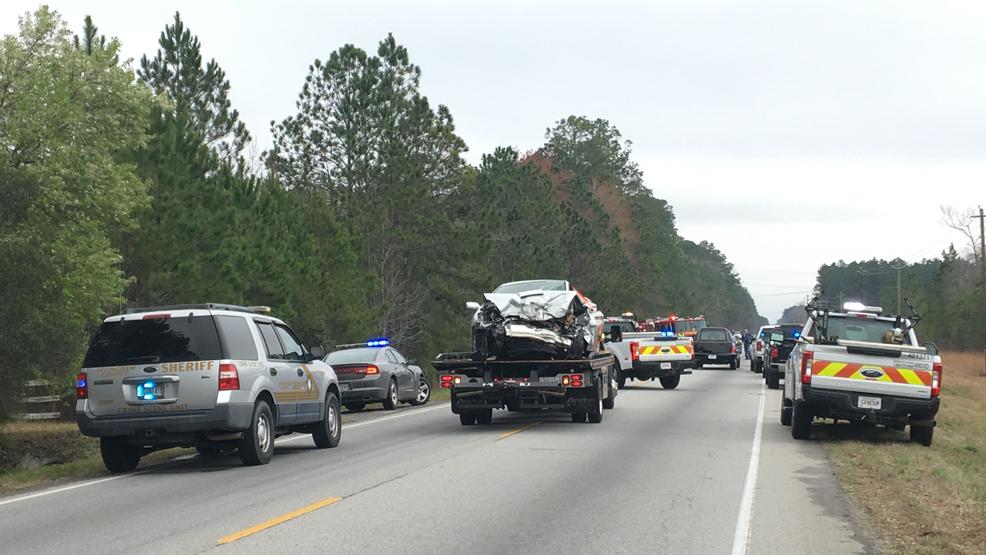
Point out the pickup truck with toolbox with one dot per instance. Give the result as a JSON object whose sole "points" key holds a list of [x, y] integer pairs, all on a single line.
{"points": [[759, 340], [858, 365], [716, 346], [776, 350], [660, 354]]}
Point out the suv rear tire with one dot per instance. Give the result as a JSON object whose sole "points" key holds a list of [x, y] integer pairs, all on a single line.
{"points": [[390, 401], [256, 447], [118, 455], [922, 434], [328, 431], [801, 418], [785, 412], [355, 407]]}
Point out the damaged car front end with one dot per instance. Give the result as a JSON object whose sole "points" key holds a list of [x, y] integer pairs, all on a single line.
{"points": [[538, 324]]}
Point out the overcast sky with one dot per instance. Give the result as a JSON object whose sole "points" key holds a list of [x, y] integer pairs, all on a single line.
{"points": [[790, 134]]}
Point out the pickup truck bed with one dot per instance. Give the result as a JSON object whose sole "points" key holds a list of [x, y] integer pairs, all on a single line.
{"points": [[650, 355]]}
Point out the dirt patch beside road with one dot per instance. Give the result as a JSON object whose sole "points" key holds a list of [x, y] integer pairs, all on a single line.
{"points": [[922, 500]]}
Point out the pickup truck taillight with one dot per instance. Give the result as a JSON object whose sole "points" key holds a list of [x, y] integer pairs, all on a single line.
{"points": [[806, 359], [229, 377], [81, 386], [936, 379], [773, 353], [634, 351]]}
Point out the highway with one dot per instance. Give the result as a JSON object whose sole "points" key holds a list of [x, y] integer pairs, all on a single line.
{"points": [[681, 471]]}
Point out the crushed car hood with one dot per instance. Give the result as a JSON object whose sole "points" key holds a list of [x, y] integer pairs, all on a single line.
{"points": [[533, 306]]}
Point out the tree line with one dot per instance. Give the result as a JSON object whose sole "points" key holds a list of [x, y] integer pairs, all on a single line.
{"points": [[128, 184]]}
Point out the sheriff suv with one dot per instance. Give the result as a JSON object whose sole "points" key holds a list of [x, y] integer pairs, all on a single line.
{"points": [[211, 376], [858, 365]]}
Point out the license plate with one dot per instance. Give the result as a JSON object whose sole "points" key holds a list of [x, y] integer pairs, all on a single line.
{"points": [[344, 386], [665, 366], [869, 403], [150, 391], [713, 357]]}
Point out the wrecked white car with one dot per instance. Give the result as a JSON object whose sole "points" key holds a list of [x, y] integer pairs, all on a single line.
{"points": [[535, 320]]}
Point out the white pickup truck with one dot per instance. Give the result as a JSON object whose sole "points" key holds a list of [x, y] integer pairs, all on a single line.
{"points": [[857, 365], [652, 354]]}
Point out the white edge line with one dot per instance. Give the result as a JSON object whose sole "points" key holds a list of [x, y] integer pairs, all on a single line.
{"points": [[741, 538], [120, 476]]}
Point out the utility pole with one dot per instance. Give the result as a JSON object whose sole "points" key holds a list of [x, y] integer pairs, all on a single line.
{"points": [[982, 263], [899, 267]]}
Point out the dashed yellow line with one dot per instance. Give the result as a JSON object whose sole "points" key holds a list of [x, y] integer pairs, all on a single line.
{"points": [[277, 520], [505, 435]]}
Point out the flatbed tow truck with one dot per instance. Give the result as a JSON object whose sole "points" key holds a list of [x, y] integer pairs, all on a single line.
{"points": [[583, 387]]}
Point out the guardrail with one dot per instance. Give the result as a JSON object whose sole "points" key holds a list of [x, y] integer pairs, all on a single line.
{"points": [[39, 403]]}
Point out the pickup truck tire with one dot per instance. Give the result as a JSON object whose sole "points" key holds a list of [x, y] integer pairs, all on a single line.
{"points": [[595, 414], [256, 447], [118, 454], [355, 407], [801, 418], [621, 381], [671, 382], [773, 379], [922, 434], [578, 417], [484, 417], [328, 432], [467, 418], [390, 401], [785, 412]]}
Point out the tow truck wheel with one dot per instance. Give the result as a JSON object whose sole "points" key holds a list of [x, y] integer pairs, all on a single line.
{"points": [[119, 455], [484, 417], [621, 381], [671, 382], [595, 413], [578, 417], [467, 418], [922, 434], [801, 418]]}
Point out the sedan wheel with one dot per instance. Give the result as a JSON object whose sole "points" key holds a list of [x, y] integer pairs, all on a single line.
{"points": [[390, 401], [424, 393]]}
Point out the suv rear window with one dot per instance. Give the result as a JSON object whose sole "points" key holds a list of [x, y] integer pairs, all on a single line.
{"points": [[237, 338], [713, 334], [179, 339]]}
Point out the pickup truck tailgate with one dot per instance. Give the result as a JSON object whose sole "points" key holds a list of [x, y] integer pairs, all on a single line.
{"points": [[905, 375], [663, 351]]}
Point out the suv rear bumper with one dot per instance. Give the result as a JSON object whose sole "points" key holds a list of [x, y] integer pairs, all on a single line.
{"points": [[725, 358], [234, 417], [844, 404], [652, 369]]}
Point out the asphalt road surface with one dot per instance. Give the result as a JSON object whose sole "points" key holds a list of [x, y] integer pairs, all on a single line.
{"points": [[682, 471]]}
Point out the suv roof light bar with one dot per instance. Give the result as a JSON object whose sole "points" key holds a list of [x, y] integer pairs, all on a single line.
{"points": [[203, 306]]}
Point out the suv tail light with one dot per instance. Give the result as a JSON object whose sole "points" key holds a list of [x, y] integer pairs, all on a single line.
{"points": [[936, 379], [229, 377], [807, 358], [81, 386], [634, 351], [732, 347]]}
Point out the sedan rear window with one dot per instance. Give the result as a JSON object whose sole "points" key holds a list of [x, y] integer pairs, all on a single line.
{"points": [[347, 356], [179, 339]]}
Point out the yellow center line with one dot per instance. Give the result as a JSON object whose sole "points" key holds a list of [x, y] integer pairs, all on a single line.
{"points": [[277, 520], [505, 435]]}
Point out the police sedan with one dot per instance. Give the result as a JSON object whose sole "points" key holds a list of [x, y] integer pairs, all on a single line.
{"points": [[375, 372]]}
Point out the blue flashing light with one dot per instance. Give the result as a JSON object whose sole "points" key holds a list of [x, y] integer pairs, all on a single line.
{"points": [[149, 397], [378, 342], [797, 334], [145, 391], [80, 383], [148, 385]]}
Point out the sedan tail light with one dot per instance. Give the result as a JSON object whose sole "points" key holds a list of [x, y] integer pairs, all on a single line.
{"points": [[936, 371], [229, 377], [81, 386], [371, 370]]}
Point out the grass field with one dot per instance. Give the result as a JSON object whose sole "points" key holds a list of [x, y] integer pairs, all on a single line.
{"points": [[920, 500]]}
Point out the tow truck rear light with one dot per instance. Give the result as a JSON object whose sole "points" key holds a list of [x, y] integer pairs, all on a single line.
{"points": [[936, 379], [634, 351], [229, 377], [81, 386], [806, 361], [446, 380], [572, 380]]}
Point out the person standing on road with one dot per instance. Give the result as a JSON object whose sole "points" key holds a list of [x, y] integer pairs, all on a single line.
{"points": [[747, 340]]}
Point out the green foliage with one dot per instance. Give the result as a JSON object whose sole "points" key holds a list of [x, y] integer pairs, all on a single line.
{"points": [[69, 121]]}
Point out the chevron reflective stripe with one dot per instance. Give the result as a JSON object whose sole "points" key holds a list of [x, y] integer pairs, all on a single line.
{"points": [[666, 350], [870, 372]]}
